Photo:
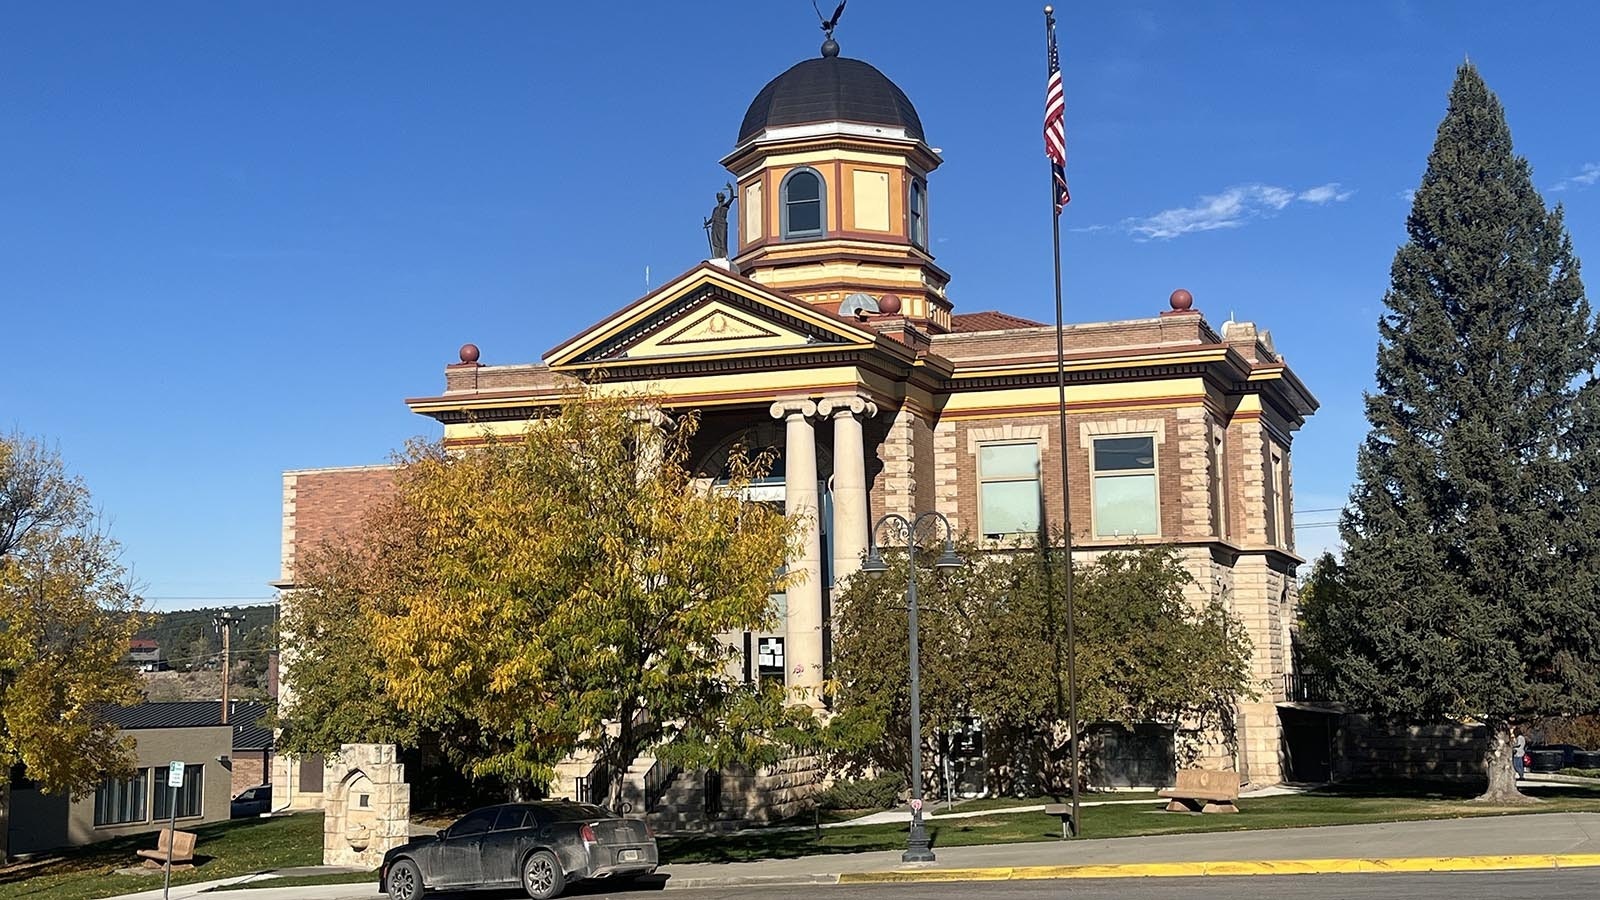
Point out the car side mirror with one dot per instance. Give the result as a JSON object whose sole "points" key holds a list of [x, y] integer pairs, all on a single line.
{"points": [[439, 834]]}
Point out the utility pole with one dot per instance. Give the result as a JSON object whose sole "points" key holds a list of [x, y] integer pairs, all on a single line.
{"points": [[224, 623]]}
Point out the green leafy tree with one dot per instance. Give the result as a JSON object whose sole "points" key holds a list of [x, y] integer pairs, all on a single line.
{"points": [[1470, 587], [66, 615], [562, 592], [1145, 653]]}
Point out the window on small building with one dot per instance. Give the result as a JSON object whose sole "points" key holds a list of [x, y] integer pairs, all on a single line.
{"points": [[190, 799], [919, 213], [802, 204], [769, 659], [1008, 489], [1124, 487], [121, 801]]}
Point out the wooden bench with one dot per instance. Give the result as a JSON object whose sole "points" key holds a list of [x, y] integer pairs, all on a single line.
{"points": [[1217, 790], [181, 844]]}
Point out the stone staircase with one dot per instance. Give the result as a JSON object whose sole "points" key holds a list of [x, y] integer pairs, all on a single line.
{"points": [[569, 772]]}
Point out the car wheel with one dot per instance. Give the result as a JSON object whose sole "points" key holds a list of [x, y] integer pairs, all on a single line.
{"points": [[542, 877], [405, 881]]}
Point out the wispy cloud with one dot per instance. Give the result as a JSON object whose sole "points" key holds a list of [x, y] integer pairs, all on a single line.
{"points": [[1231, 208], [1324, 194], [1407, 195], [1587, 175]]}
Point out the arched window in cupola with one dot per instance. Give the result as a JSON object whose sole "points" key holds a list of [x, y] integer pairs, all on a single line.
{"points": [[802, 200], [919, 213]]}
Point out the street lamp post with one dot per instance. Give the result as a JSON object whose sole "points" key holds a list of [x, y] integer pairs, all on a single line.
{"points": [[917, 847]]}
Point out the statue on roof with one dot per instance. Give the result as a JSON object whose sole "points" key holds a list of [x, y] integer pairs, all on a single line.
{"points": [[717, 226]]}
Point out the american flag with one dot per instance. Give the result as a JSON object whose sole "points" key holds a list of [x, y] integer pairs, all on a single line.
{"points": [[1055, 125]]}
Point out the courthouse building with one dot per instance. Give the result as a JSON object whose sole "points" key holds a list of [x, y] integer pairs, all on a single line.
{"points": [[831, 334]]}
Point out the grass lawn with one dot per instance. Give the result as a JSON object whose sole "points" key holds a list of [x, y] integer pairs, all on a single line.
{"points": [[982, 803], [1344, 805], [224, 849]]}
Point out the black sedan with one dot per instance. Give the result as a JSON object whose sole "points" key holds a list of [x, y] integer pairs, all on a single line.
{"points": [[541, 846]]}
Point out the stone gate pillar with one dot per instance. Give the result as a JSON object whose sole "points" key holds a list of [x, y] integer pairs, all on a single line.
{"points": [[369, 805]]}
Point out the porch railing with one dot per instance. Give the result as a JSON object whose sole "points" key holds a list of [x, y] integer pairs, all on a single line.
{"points": [[1308, 687]]}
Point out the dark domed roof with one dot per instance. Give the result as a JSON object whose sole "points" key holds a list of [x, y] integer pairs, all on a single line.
{"points": [[830, 89]]}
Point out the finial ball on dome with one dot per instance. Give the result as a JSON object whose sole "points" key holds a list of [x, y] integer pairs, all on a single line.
{"points": [[889, 304], [469, 353], [830, 48], [1181, 300]]}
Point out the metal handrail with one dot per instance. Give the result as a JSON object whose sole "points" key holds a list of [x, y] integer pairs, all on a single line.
{"points": [[656, 781]]}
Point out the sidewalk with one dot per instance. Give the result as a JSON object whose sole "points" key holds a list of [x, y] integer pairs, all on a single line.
{"points": [[1539, 835], [1547, 840]]}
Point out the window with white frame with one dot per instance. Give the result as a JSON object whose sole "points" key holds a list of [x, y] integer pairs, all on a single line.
{"points": [[1008, 489], [802, 193], [1124, 486], [121, 801], [189, 800]]}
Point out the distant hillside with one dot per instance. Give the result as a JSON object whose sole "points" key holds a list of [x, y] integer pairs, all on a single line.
{"points": [[190, 642]]}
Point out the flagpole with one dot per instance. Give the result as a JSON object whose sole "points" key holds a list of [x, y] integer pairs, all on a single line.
{"points": [[1066, 494]]}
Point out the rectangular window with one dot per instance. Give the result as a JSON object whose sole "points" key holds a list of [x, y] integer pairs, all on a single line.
{"points": [[1219, 483], [1124, 487], [189, 796], [1008, 489], [1280, 516], [769, 659], [311, 766], [121, 801]]}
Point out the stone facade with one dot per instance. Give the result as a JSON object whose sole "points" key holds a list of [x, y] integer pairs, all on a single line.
{"points": [[368, 811]]}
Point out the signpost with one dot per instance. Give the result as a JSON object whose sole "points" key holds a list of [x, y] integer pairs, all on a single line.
{"points": [[174, 781]]}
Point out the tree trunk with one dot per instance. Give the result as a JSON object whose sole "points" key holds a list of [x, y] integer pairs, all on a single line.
{"points": [[1497, 765], [5, 818]]}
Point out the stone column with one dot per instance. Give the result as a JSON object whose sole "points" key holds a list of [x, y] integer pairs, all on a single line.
{"points": [[850, 513], [802, 633], [650, 425]]}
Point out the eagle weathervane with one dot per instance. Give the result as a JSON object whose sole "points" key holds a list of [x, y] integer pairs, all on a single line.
{"points": [[830, 47]]}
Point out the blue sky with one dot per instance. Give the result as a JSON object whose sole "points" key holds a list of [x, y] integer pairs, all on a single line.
{"points": [[234, 236]]}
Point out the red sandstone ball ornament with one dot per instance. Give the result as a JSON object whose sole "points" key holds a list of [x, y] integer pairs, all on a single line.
{"points": [[1181, 300], [889, 304], [469, 353]]}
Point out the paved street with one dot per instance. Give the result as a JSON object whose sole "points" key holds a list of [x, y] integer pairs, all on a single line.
{"points": [[1576, 884]]}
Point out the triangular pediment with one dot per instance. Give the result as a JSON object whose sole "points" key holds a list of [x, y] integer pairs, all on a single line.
{"points": [[705, 312]]}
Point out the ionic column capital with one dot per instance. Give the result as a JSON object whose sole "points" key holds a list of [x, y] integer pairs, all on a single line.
{"points": [[653, 416], [787, 409], [853, 406]]}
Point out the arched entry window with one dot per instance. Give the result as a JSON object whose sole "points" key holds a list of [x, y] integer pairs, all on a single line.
{"points": [[802, 199]]}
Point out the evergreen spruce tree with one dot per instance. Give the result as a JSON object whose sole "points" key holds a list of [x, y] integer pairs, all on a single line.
{"points": [[1470, 587]]}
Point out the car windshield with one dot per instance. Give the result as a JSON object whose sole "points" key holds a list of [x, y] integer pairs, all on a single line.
{"points": [[570, 812]]}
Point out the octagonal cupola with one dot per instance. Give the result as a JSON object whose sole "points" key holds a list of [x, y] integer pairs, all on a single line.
{"points": [[832, 168]]}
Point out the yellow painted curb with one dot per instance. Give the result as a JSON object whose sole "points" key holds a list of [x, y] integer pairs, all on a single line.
{"points": [[1235, 867]]}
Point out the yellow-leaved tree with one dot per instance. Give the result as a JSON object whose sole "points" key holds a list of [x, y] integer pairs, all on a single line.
{"points": [[570, 589], [66, 614]]}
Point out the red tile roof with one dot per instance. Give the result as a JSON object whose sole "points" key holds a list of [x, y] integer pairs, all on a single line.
{"points": [[993, 320]]}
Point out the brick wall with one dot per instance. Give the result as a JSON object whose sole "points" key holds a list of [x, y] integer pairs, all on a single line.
{"points": [[322, 505], [250, 768]]}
